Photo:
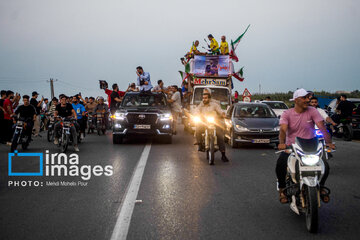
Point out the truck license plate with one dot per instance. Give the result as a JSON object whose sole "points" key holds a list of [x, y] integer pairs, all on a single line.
{"points": [[261, 141], [137, 126]]}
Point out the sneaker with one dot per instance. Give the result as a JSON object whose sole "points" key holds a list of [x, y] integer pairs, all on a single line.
{"points": [[56, 141], [224, 158], [8, 143], [82, 136], [76, 148]]}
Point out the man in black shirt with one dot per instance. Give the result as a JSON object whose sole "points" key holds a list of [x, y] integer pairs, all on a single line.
{"points": [[115, 98], [37, 106], [65, 110], [344, 109], [27, 113]]}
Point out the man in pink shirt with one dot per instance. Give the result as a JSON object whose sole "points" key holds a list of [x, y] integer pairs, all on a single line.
{"points": [[299, 122]]}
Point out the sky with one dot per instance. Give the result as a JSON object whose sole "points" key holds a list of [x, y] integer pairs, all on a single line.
{"points": [[312, 44]]}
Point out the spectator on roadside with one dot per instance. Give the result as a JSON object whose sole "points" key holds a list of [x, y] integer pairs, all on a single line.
{"points": [[109, 92], [236, 96], [8, 107], [160, 87], [37, 105], [268, 98], [2, 112], [114, 98], [175, 101]]}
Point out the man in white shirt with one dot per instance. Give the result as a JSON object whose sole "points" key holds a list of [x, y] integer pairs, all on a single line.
{"points": [[175, 101], [314, 103]]}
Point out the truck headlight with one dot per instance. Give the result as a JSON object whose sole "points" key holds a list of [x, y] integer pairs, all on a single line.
{"points": [[241, 128], [310, 160], [119, 116], [165, 117]]}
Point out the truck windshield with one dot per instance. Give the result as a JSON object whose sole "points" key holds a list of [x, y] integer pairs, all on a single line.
{"points": [[219, 94], [145, 100]]}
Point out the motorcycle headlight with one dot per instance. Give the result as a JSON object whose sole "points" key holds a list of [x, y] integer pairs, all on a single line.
{"points": [[196, 119], [210, 119], [310, 160], [119, 116], [166, 116], [241, 128], [318, 133]]}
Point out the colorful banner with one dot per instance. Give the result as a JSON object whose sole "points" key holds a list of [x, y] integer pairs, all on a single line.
{"points": [[212, 66]]}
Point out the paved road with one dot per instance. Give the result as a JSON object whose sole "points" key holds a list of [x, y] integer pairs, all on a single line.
{"points": [[182, 196]]}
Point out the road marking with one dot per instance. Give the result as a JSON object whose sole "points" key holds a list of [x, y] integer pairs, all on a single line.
{"points": [[127, 206]]}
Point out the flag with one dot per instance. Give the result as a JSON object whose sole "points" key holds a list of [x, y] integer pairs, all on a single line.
{"points": [[183, 75], [234, 45], [239, 75]]}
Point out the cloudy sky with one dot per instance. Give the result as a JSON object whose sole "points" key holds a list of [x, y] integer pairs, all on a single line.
{"points": [[313, 44]]}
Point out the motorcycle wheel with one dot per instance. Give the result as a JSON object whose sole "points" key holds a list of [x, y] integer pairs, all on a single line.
{"points": [[25, 143], [347, 133], [65, 143], [211, 152], [50, 135], [14, 142], [311, 213]]}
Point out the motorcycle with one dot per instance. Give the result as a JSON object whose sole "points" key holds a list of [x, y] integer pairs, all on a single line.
{"points": [[344, 129], [66, 136], [208, 137], [100, 123], [305, 169], [90, 123], [50, 127], [19, 136]]}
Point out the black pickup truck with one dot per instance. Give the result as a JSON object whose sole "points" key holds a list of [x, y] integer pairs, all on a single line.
{"points": [[143, 114]]}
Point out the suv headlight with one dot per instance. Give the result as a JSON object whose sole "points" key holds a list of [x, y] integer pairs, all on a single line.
{"points": [[277, 128], [165, 117], [310, 160], [119, 116], [241, 128]]}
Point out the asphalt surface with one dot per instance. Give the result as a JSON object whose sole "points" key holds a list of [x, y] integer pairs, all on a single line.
{"points": [[182, 197]]}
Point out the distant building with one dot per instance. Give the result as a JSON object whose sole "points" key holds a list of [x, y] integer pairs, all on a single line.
{"points": [[342, 92]]}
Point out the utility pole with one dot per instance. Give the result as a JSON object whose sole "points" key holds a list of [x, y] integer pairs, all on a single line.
{"points": [[52, 87]]}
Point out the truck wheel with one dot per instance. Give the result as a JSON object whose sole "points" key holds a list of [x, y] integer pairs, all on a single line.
{"points": [[117, 139]]}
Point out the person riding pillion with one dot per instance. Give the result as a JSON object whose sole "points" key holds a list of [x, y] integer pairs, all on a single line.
{"points": [[205, 107], [214, 46]]}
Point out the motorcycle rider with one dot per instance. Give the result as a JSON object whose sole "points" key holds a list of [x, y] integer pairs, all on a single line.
{"points": [[344, 109], [102, 108], [28, 113], [207, 105], [65, 110], [314, 103], [299, 122], [80, 112]]}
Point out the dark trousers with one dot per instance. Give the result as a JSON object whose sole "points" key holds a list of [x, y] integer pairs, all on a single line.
{"points": [[8, 130], [82, 124], [219, 134], [2, 130], [281, 170]]}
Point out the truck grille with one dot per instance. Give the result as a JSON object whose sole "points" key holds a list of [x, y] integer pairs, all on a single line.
{"points": [[139, 118]]}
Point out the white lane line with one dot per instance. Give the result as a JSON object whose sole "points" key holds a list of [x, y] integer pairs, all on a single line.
{"points": [[126, 208]]}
